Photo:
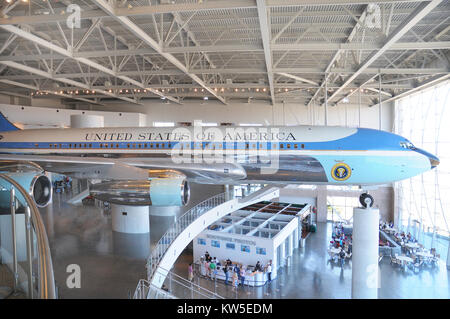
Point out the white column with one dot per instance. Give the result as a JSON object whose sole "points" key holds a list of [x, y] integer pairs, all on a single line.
{"points": [[163, 210], [295, 238], [291, 244], [365, 253], [227, 191], [130, 219], [282, 260], [83, 121]]}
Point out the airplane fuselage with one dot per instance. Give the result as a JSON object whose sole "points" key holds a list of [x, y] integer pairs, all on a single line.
{"points": [[300, 154]]}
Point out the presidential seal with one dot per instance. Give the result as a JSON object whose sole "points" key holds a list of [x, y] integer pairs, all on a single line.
{"points": [[341, 172]]}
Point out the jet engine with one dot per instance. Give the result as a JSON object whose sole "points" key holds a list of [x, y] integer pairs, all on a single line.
{"points": [[154, 192], [38, 185]]}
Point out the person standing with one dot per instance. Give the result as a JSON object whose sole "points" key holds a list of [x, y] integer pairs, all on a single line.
{"points": [[212, 267], [208, 269], [235, 279], [242, 275], [269, 271], [190, 272], [225, 271]]}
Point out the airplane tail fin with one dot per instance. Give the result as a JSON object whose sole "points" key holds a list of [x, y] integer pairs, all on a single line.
{"points": [[6, 125]]}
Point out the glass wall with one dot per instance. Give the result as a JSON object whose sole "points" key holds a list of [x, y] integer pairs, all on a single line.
{"points": [[423, 202], [340, 208]]}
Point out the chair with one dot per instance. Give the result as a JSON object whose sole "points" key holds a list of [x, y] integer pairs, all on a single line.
{"points": [[418, 265]]}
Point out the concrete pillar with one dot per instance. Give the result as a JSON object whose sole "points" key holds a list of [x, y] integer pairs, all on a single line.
{"points": [[291, 244], [282, 260], [163, 210], [130, 219], [227, 192], [84, 121], [136, 246], [295, 237], [274, 264], [321, 204], [365, 253]]}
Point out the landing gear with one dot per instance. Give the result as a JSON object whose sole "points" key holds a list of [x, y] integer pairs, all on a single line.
{"points": [[366, 200]]}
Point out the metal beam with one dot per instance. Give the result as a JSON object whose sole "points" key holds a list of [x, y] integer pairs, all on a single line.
{"points": [[88, 13], [32, 87], [338, 54], [293, 71], [421, 11], [47, 75], [432, 45], [141, 34], [433, 81], [265, 34], [287, 25], [297, 78], [31, 37]]}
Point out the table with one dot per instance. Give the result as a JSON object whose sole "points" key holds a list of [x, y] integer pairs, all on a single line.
{"points": [[424, 254], [334, 251], [412, 245], [405, 258]]}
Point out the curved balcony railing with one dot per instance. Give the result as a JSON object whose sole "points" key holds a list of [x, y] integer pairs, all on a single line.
{"points": [[175, 287], [44, 287], [185, 220]]}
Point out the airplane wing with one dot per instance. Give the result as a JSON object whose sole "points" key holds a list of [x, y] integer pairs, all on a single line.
{"points": [[129, 168]]}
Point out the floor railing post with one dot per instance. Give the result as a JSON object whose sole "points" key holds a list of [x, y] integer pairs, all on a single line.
{"points": [[29, 251], [14, 238]]}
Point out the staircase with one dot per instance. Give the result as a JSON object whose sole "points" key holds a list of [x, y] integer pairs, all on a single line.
{"points": [[191, 224]]}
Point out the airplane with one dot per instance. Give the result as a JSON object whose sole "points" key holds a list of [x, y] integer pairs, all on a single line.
{"points": [[154, 165]]}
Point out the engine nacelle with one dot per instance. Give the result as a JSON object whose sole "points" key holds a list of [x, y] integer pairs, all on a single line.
{"points": [[155, 192], [37, 185]]}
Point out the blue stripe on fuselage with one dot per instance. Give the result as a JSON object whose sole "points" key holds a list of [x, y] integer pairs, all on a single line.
{"points": [[363, 139]]}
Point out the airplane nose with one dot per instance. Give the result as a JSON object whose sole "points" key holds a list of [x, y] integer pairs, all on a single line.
{"points": [[434, 160]]}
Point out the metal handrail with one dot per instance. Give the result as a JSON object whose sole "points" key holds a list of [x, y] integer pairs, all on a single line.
{"points": [[185, 220], [46, 284], [189, 284], [144, 287]]}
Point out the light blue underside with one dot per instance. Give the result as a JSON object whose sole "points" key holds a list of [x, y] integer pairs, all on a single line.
{"points": [[375, 169]]}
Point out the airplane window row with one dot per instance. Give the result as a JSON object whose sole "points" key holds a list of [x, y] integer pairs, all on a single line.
{"points": [[169, 145]]}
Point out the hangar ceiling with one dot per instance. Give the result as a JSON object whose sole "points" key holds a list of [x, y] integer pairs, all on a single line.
{"points": [[274, 50]]}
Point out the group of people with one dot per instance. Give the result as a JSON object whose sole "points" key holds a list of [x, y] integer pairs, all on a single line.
{"points": [[236, 271], [340, 240], [403, 238], [384, 225]]}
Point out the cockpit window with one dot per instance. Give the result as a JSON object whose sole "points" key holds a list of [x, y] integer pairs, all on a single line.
{"points": [[407, 145]]}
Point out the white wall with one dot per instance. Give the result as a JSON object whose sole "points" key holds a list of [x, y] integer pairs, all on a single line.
{"points": [[40, 117], [257, 112], [236, 255], [238, 112]]}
